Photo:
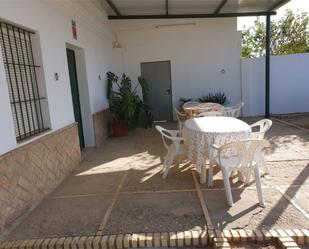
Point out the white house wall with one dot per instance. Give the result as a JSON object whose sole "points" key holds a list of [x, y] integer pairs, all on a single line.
{"points": [[198, 53], [51, 20]]}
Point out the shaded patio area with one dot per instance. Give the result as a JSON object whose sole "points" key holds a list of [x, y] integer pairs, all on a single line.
{"points": [[118, 189]]}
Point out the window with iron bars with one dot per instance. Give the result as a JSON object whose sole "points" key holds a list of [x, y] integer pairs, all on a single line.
{"points": [[21, 76]]}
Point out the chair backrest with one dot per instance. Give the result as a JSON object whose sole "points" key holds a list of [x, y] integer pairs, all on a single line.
{"points": [[263, 126], [181, 117], [246, 151], [210, 114], [190, 103], [233, 111]]}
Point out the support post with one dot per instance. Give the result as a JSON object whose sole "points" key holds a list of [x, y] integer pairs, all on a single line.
{"points": [[267, 68]]}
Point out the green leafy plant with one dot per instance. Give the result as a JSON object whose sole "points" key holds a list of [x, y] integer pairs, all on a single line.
{"points": [[218, 97], [146, 117], [125, 104], [289, 35], [182, 101]]}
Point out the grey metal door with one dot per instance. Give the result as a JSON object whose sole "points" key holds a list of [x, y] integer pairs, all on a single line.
{"points": [[158, 76]]}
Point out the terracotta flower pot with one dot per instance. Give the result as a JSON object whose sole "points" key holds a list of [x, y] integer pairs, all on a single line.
{"points": [[119, 129]]}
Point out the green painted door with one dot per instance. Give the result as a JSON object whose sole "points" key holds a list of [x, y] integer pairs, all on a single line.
{"points": [[75, 95]]}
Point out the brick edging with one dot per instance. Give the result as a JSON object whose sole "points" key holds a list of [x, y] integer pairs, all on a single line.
{"points": [[217, 238]]}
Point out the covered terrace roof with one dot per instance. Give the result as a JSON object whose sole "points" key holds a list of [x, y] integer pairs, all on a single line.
{"points": [[153, 9]]}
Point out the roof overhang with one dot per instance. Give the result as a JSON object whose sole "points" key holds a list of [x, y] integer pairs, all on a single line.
{"points": [[168, 9]]}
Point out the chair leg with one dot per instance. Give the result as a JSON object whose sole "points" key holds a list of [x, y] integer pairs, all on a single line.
{"points": [[258, 185], [248, 176], [227, 187], [264, 166], [210, 174], [168, 163]]}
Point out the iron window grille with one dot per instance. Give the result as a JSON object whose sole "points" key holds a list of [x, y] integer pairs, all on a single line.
{"points": [[21, 75]]}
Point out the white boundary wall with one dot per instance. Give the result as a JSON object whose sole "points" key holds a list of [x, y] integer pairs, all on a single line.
{"points": [[289, 84]]}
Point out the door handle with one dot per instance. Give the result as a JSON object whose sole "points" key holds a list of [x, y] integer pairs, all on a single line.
{"points": [[169, 92]]}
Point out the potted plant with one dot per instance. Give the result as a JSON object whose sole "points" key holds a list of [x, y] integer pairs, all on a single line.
{"points": [[218, 97], [126, 106]]}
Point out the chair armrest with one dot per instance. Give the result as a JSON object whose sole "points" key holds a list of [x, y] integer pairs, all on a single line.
{"points": [[174, 133], [214, 146]]}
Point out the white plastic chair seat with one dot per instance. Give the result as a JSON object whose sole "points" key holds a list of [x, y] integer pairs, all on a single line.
{"points": [[182, 149]]}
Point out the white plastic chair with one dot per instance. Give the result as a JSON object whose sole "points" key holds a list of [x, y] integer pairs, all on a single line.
{"points": [[210, 114], [175, 148], [190, 103], [181, 118], [233, 111], [262, 127], [243, 158]]}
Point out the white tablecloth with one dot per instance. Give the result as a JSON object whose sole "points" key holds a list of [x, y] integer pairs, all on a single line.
{"points": [[200, 133]]}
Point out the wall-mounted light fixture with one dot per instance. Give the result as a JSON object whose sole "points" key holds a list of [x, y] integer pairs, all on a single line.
{"points": [[175, 25], [116, 43], [56, 76]]}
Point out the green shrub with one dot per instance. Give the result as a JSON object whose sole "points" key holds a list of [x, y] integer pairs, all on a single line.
{"points": [[219, 98]]}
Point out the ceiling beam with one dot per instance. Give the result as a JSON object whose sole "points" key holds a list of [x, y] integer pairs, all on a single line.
{"points": [[122, 17], [278, 4], [113, 7], [223, 2], [166, 7]]}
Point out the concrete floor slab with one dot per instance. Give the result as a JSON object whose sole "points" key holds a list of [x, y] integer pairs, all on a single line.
{"points": [[162, 212], [63, 217], [300, 194], [287, 173], [300, 120], [88, 182], [151, 180], [246, 212], [140, 156]]}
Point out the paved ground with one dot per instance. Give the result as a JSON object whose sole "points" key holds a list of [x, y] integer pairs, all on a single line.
{"points": [[118, 189]]}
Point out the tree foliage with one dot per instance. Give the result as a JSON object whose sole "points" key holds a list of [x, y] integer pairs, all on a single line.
{"points": [[290, 35]]}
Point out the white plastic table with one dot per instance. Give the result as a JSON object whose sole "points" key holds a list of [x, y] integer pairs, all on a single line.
{"points": [[200, 133]]}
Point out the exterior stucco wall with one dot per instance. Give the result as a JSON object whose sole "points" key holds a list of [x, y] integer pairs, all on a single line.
{"points": [[30, 172], [198, 52], [51, 20]]}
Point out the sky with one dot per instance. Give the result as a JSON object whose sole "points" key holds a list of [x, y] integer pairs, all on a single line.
{"points": [[301, 5]]}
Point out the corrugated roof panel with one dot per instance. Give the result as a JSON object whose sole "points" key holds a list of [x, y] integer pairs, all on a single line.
{"points": [[243, 6], [192, 6], [187, 7]]}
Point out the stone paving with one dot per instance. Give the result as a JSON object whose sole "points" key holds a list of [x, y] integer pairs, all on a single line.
{"points": [[118, 189]]}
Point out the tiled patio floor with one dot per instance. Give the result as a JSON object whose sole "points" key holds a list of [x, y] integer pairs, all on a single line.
{"points": [[118, 189]]}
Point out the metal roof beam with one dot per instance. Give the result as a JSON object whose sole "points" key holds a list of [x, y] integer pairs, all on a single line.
{"points": [[221, 5], [113, 7], [278, 4], [219, 15]]}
